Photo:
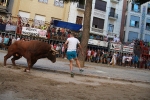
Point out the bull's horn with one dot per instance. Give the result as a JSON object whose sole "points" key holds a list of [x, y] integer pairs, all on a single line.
{"points": [[53, 50]]}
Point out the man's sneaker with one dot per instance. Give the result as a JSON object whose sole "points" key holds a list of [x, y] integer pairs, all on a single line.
{"points": [[81, 70], [72, 74]]}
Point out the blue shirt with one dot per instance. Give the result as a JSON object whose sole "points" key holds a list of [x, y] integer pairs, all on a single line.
{"points": [[6, 40], [135, 58]]}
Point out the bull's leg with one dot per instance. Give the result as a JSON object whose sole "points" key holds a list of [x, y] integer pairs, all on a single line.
{"points": [[6, 57], [30, 65], [15, 57], [33, 62]]}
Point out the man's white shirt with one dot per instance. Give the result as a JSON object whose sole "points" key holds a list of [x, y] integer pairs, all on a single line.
{"points": [[72, 43]]}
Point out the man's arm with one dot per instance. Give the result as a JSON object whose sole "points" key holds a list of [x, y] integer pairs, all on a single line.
{"points": [[65, 46], [80, 48]]}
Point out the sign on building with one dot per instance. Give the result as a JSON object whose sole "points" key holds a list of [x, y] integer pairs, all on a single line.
{"points": [[115, 46], [98, 43], [34, 32], [10, 28], [128, 49]]}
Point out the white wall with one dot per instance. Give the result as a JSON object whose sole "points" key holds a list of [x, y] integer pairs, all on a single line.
{"points": [[138, 30], [100, 14]]}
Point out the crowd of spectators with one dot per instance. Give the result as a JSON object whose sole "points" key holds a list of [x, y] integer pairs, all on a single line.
{"points": [[121, 59]]}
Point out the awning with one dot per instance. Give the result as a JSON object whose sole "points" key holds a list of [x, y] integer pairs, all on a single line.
{"points": [[67, 25]]}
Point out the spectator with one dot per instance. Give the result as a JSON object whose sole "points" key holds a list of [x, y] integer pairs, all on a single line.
{"points": [[113, 60], [18, 38], [98, 56], [148, 63], [58, 48], [32, 26], [63, 51], [129, 60], [97, 37], [91, 37], [1, 20], [44, 27], [19, 26], [92, 55], [89, 55], [1, 38], [27, 25], [115, 38], [59, 32], [95, 54], [6, 40], [13, 40], [123, 59], [52, 47], [109, 57]]}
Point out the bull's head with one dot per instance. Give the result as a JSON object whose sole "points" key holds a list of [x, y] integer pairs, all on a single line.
{"points": [[52, 55]]}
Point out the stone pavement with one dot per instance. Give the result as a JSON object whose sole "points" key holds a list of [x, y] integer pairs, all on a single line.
{"points": [[90, 69]]}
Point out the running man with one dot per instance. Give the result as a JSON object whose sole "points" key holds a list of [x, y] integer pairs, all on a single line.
{"points": [[71, 45]]}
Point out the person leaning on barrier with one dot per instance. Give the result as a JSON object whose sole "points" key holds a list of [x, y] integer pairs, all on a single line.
{"points": [[6, 40]]}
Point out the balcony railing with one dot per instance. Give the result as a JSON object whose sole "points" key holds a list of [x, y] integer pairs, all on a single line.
{"points": [[148, 28], [111, 33], [115, 1], [96, 30], [3, 5], [112, 15]]}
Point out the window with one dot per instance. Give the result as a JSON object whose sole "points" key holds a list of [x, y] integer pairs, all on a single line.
{"points": [[132, 36], [98, 23], [125, 20], [135, 8], [147, 38], [112, 12], [148, 9], [79, 20], [81, 6], [134, 21], [39, 20], [147, 24], [110, 28], [24, 16], [59, 3], [43, 1], [100, 5]]}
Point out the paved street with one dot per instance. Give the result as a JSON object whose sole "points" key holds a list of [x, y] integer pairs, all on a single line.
{"points": [[91, 69]]}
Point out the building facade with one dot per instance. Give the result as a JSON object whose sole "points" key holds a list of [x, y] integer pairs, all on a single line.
{"points": [[137, 24], [40, 11], [105, 16]]}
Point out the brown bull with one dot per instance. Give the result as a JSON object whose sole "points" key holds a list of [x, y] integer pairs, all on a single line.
{"points": [[31, 50]]}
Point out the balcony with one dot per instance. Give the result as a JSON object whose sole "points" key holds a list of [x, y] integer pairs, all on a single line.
{"points": [[148, 28], [97, 30], [110, 33], [115, 1], [3, 6], [80, 7], [113, 16]]}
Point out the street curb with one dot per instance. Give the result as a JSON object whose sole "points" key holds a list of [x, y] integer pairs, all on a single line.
{"points": [[93, 76]]}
